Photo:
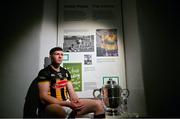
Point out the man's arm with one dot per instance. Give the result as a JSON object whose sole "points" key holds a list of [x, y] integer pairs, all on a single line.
{"points": [[47, 99], [72, 93], [78, 104]]}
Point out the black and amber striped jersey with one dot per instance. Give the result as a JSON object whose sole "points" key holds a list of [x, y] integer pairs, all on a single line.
{"points": [[57, 80]]}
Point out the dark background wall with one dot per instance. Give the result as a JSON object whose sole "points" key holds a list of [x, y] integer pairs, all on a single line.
{"points": [[159, 24], [19, 47]]}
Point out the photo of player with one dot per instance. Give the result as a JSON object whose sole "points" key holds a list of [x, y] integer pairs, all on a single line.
{"points": [[106, 42]]}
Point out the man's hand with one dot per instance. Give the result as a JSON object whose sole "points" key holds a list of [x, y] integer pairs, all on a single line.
{"points": [[77, 105]]}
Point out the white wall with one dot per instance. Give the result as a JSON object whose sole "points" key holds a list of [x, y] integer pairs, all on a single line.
{"points": [[48, 36], [136, 101]]}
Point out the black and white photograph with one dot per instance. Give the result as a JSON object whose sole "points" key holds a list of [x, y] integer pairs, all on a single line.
{"points": [[88, 59], [79, 43]]}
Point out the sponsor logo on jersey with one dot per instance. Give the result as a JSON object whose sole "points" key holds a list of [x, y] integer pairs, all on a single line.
{"points": [[52, 75], [60, 75], [60, 84]]}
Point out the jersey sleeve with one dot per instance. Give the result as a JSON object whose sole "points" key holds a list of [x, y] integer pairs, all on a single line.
{"points": [[43, 76]]}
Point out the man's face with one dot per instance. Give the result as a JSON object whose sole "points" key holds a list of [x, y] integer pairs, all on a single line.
{"points": [[57, 57]]}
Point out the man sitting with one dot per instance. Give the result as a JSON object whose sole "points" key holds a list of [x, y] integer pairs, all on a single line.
{"points": [[57, 94]]}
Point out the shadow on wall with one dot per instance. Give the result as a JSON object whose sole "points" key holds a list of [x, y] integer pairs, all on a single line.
{"points": [[19, 46], [18, 18], [47, 61], [158, 21]]}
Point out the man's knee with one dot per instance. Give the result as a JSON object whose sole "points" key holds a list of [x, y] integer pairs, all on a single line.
{"points": [[99, 105], [52, 107], [55, 110]]}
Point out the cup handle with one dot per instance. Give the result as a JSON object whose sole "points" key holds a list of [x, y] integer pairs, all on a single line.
{"points": [[125, 92], [95, 91]]}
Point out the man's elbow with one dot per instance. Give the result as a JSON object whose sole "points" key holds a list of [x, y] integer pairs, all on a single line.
{"points": [[43, 98]]}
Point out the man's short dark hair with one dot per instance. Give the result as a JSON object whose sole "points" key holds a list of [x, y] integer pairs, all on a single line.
{"points": [[55, 49]]}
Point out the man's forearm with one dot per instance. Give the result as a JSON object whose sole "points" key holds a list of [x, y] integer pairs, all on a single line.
{"points": [[72, 93], [51, 100]]}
